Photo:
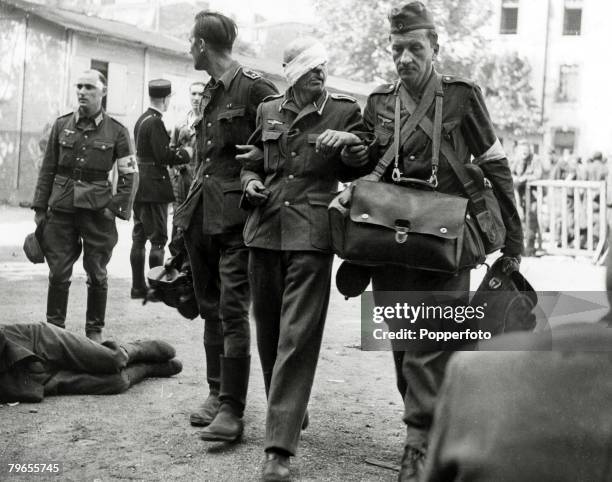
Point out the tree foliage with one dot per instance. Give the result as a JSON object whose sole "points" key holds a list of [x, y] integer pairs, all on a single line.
{"points": [[356, 33]]}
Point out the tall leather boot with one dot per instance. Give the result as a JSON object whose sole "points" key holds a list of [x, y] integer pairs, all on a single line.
{"points": [[205, 414], [96, 312], [228, 426], [137, 261], [156, 255], [139, 371], [57, 304]]}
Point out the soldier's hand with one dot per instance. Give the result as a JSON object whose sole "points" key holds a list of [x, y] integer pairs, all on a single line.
{"points": [[355, 155], [40, 215], [331, 140], [249, 154], [108, 214], [256, 192], [510, 263]]}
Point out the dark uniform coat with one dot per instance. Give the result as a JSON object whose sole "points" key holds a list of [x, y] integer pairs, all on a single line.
{"points": [[301, 181], [539, 414], [468, 127], [229, 109], [154, 154], [90, 168]]}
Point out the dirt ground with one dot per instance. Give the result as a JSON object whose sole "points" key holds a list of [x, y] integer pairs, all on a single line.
{"points": [[144, 434]]}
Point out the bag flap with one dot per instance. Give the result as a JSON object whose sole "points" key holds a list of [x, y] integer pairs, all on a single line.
{"points": [[268, 135], [424, 212]]}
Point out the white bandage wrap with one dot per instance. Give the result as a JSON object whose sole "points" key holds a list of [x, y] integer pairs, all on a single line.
{"points": [[494, 153], [304, 62]]}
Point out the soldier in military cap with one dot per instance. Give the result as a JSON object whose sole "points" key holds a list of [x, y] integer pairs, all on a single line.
{"points": [[212, 221], [154, 155], [87, 178], [467, 126], [302, 135]]}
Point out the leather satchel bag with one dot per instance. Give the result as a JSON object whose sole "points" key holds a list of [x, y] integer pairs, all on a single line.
{"points": [[412, 225]]}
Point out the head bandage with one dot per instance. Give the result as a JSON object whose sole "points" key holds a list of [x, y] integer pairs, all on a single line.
{"points": [[304, 62]]}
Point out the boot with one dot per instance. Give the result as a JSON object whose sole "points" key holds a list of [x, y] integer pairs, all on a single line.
{"points": [[96, 311], [95, 336], [137, 261], [205, 414], [139, 371], [276, 467], [156, 255], [57, 304], [149, 351], [228, 426], [412, 465]]}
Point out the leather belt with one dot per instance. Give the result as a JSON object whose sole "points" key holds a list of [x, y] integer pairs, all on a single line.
{"points": [[79, 174]]}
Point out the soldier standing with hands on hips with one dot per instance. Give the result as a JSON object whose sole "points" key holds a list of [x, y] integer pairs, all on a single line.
{"points": [[302, 134], [87, 178], [154, 155], [211, 222]]}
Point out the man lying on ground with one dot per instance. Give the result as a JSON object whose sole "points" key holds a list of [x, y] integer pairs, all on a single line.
{"points": [[39, 359]]}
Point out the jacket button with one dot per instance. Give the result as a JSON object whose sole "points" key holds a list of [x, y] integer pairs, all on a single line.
{"points": [[291, 176], [209, 124], [209, 142], [206, 176], [286, 203], [443, 230], [365, 216], [412, 158], [208, 159], [293, 154]]}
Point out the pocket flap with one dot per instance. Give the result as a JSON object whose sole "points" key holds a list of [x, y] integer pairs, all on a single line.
{"points": [[103, 145], [268, 135], [231, 113], [66, 140], [231, 186], [60, 180], [382, 136], [320, 198], [418, 211]]}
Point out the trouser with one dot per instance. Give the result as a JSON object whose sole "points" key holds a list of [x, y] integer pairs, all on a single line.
{"points": [[290, 300], [220, 281], [419, 373], [64, 236], [150, 223]]}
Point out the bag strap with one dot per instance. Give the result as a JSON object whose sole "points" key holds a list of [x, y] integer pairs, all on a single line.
{"points": [[417, 113], [473, 191]]}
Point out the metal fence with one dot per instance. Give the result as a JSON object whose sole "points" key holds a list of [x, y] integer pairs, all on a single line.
{"points": [[566, 217]]}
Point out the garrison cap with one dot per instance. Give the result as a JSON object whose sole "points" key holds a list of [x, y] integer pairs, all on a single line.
{"points": [[159, 88], [412, 16]]}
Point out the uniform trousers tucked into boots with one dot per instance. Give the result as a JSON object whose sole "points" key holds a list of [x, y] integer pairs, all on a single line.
{"points": [[219, 268], [290, 300], [64, 236], [150, 223], [419, 373]]}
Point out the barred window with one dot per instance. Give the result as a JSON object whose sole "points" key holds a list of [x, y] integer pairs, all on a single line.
{"points": [[509, 17], [568, 83]]}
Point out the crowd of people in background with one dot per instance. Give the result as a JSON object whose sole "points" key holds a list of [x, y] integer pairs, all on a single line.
{"points": [[527, 166]]}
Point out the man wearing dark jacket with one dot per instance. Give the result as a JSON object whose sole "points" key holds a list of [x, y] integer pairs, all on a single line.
{"points": [[212, 223], [87, 178], [154, 155], [38, 359]]}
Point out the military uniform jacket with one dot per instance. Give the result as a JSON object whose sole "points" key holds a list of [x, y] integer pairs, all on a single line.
{"points": [[154, 154], [228, 118], [467, 126], [301, 181], [88, 164]]}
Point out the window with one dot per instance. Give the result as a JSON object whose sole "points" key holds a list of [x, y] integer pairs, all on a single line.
{"points": [[509, 17], [568, 84], [101, 67], [572, 17], [564, 139]]}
